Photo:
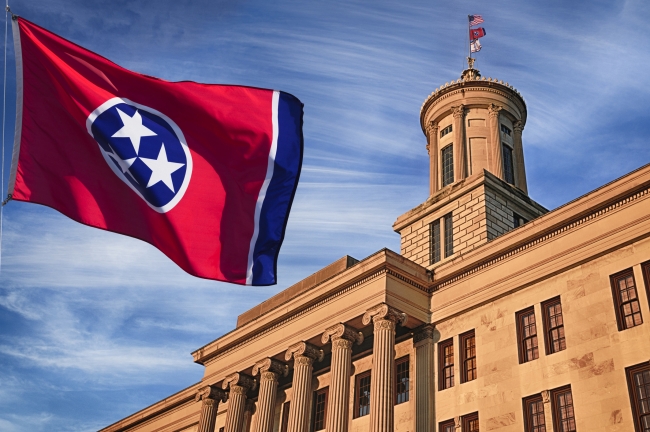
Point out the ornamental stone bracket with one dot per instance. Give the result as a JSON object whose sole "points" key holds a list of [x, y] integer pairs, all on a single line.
{"points": [[272, 366], [342, 331], [546, 396], [304, 349], [212, 393], [239, 380], [384, 312]]}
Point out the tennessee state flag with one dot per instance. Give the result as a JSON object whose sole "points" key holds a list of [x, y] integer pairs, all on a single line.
{"points": [[477, 33], [205, 173]]}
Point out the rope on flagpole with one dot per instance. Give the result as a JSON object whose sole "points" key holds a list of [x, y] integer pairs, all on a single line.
{"points": [[4, 116]]}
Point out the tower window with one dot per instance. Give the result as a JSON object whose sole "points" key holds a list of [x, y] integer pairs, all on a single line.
{"points": [[447, 165], [506, 130], [434, 228], [527, 335], [445, 131], [446, 364], [449, 235], [468, 356], [508, 168], [628, 311], [553, 326], [517, 220]]}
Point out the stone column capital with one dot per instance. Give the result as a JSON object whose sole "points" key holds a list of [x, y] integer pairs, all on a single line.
{"points": [[239, 383], [211, 393], [305, 350], [458, 111], [424, 333], [518, 126], [432, 128], [383, 312], [494, 110], [270, 366], [342, 331]]}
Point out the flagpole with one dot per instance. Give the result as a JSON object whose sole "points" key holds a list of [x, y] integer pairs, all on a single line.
{"points": [[4, 116], [469, 40]]}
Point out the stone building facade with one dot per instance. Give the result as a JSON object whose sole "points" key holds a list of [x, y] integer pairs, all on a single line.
{"points": [[497, 315]]}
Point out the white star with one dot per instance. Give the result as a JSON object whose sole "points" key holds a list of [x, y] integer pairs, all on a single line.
{"points": [[132, 128], [124, 164], [161, 169]]}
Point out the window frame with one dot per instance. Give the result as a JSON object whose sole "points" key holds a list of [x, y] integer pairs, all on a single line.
{"points": [[466, 419], [398, 362], [448, 221], [326, 392], [546, 321], [506, 130], [357, 392], [435, 253], [464, 358], [555, 408], [508, 163], [447, 177], [631, 387], [645, 269], [441, 363], [444, 424], [520, 335], [528, 420], [618, 301], [446, 131]]}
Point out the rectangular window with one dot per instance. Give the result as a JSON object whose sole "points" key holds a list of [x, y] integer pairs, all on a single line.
{"points": [[508, 167], [468, 356], [434, 228], [362, 399], [446, 364], [553, 326], [284, 424], [320, 408], [449, 235], [470, 422], [517, 220], [445, 131], [628, 311], [534, 420], [563, 415], [638, 381], [447, 426], [506, 130], [447, 160], [527, 335], [401, 380]]}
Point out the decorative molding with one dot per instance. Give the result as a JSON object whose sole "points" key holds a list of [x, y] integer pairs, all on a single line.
{"points": [[541, 239], [518, 126], [239, 380], [458, 111], [546, 396], [423, 333], [432, 128], [383, 312], [211, 393], [304, 350], [494, 110], [458, 423], [270, 365], [342, 331]]}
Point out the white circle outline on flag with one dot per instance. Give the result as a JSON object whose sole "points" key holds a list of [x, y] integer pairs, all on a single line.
{"points": [[179, 134]]}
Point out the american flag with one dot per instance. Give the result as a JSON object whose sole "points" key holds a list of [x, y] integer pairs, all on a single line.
{"points": [[475, 20]]}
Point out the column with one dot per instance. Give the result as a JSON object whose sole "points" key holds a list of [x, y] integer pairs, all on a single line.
{"points": [[432, 148], [382, 383], [342, 338], [425, 417], [211, 396], [239, 385], [520, 167], [304, 355], [460, 158], [548, 413], [495, 161], [269, 370], [249, 410]]}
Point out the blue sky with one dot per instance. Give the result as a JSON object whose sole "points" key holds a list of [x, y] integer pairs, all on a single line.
{"points": [[95, 326]]}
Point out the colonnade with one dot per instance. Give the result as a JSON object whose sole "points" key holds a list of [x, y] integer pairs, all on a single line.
{"points": [[267, 372]]}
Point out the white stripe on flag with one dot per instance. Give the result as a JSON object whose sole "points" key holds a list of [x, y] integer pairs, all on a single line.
{"points": [[265, 186]]}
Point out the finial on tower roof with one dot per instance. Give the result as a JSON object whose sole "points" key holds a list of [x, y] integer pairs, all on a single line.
{"points": [[470, 73]]}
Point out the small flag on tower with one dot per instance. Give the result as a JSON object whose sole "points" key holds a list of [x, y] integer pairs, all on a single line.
{"points": [[477, 33], [475, 45], [475, 20]]}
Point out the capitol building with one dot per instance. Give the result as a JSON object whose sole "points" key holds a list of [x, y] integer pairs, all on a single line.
{"points": [[496, 314]]}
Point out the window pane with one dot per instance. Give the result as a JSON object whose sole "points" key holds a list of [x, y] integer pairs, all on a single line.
{"points": [[363, 395], [435, 241], [402, 381], [449, 235], [447, 165], [508, 168], [564, 411]]}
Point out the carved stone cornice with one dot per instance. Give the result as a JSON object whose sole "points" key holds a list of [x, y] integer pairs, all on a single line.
{"points": [[269, 365], [384, 312], [239, 380], [458, 111], [342, 331], [494, 110], [211, 393], [423, 333], [301, 350], [518, 126]]}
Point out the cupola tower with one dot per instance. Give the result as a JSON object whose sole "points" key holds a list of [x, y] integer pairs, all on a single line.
{"points": [[477, 176]]}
